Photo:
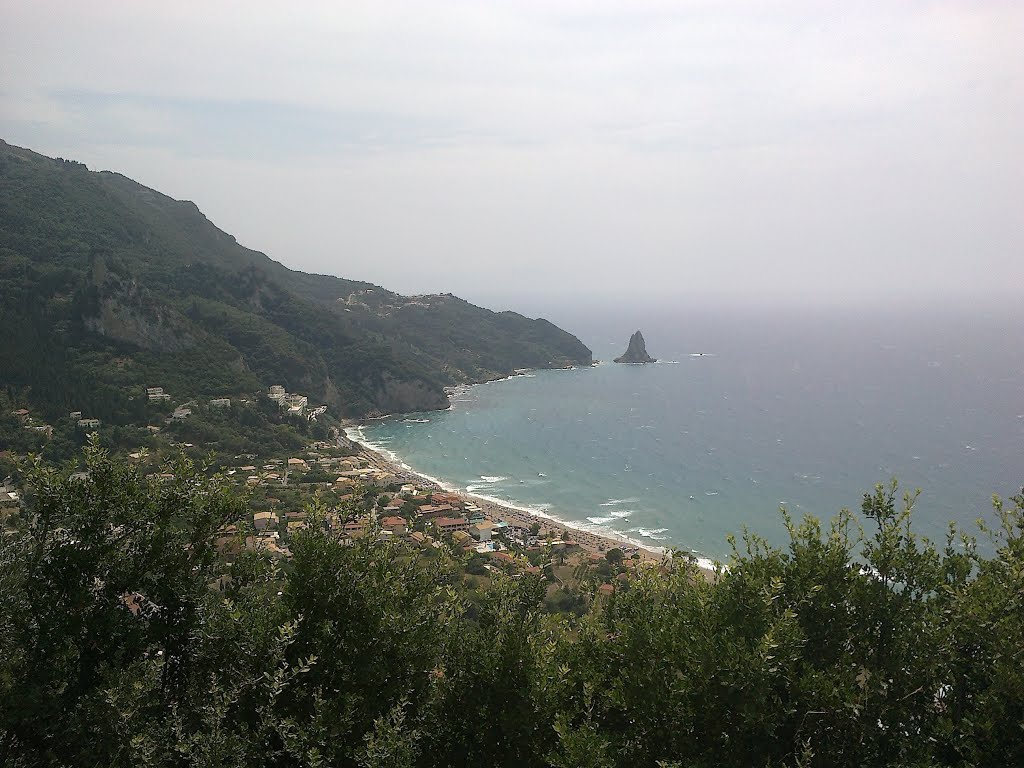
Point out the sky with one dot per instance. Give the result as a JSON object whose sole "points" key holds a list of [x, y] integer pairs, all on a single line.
{"points": [[525, 154]]}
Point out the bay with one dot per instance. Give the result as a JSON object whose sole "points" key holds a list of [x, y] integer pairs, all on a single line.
{"points": [[743, 413]]}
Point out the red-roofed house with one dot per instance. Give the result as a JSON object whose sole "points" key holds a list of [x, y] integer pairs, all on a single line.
{"points": [[450, 524], [397, 525], [430, 510]]}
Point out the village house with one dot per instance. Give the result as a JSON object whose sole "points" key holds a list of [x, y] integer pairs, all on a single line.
{"points": [[481, 531], [449, 524], [221, 402], [45, 429], [397, 525], [276, 392], [21, 415], [181, 413], [298, 464], [446, 498], [157, 393], [441, 510], [295, 403], [264, 520], [75, 415], [9, 499], [355, 528], [88, 423]]}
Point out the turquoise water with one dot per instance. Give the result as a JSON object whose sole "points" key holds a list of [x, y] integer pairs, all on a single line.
{"points": [[738, 418]]}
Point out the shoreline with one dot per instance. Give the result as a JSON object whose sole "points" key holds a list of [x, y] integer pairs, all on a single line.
{"points": [[500, 510]]}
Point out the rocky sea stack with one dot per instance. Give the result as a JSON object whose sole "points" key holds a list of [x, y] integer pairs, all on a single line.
{"points": [[636, 352]]}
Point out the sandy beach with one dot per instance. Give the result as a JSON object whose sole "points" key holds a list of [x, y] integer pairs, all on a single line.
{"points": [[496, 512]]}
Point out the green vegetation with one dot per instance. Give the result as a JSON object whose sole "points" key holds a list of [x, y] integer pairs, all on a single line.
{"points": [[129, 640], [107, 287]]}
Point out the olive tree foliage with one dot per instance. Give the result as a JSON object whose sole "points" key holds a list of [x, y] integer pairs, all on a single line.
{"points": [[851, 647], [106, 591], [128, 640]]}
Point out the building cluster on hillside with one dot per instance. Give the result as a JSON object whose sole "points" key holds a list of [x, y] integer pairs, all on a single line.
{"points": [[28, 422], [293, 403], [420, 517], [156, 394]]}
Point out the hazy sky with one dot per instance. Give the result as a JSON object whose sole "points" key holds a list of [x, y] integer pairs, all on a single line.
{"points": [[516, 152]]}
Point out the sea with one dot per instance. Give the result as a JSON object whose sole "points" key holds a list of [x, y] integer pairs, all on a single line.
{"points": [[744, 414]]}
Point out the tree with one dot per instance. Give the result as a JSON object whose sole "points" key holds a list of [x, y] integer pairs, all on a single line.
{"points": [[111, 590], [614, 556]]}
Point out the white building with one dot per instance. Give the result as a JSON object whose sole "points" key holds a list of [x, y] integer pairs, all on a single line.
{"points": [[157, 393]]}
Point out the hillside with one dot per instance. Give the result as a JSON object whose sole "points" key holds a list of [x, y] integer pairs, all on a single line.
{"points": [[107, 287]]}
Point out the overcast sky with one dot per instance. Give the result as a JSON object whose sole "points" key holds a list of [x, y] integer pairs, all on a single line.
{"points": [[515, 153]]}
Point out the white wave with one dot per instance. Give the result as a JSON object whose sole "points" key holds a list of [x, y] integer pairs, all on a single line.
{"points": [[601, 520], [492, 478], [616, 502], [357, 435], [710, 493], [621, 513], [540, 510], [415, 421]]}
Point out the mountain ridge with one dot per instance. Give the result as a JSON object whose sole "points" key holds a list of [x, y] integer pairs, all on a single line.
{"points": [[109, 286]]}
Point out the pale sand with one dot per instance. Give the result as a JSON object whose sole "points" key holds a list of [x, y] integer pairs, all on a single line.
{"points": [[588, 541]]}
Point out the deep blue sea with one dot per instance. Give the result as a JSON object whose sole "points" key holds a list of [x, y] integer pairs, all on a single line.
{"points": [[744, 412]]}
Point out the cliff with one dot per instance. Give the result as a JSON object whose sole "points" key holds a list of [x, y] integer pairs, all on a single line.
{"points": [[636, 352]]}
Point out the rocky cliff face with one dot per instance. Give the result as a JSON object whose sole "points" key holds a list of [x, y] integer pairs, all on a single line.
{"points": [[125, 311], [393, 395], [636, 352]]}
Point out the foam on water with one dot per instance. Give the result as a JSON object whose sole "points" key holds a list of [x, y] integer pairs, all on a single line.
{"points": [[759, 425]]}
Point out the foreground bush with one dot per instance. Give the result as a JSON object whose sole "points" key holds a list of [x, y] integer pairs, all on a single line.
{"points": [[122, 645]]}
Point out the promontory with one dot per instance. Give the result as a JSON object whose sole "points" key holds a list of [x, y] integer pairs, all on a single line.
{"points": [[636, 352]]}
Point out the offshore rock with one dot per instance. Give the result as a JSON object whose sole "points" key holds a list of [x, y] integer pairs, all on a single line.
{"points": [[636, 352]]}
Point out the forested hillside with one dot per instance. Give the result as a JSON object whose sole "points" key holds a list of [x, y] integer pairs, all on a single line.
{"points": [[107, 287], [128, 640]]}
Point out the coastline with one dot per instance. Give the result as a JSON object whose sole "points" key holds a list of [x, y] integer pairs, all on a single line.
{"points": [[499, 510]]}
